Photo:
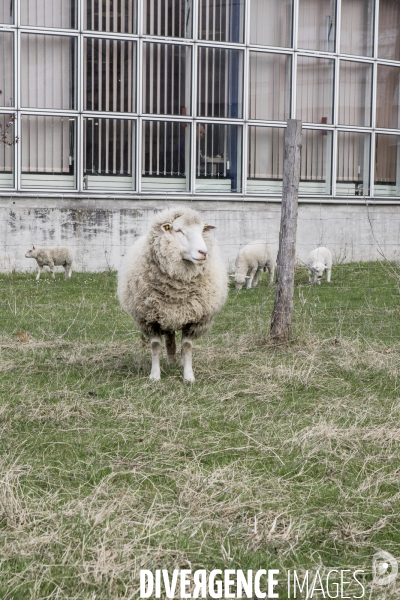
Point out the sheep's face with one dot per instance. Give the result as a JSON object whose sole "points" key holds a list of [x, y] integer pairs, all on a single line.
{"points": [[239, 281], [318, 269], [189, 239], [29, 254]]}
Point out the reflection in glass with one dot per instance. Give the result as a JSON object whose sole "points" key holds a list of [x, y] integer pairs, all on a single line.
{"points": [[355, 85], [389, 30], [7, 12], [221, 20], [218, 157], [269, 86], [165, 156], [387, 165], [166, 79], [353, 156], [316, 162], [317, 25], [6, 69], [220, 82], [357, 27], [109, 75], [387, 97], [271, 22], [315, 89], [171, 18], [109, 15], [7, 151], [265, 159], [48, 152], [49, 13], [108, 153], [47, 71]]}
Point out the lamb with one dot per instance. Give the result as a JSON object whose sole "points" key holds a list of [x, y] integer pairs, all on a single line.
{"points": [[172, 279], [250, 260], [51, 257], [319, 260]]}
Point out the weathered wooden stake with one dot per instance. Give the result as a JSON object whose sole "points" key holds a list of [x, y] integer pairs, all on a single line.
{"points": [[282, 314]]}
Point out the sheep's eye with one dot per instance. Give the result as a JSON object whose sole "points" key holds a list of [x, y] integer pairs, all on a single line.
{"points": [[166, 227]]}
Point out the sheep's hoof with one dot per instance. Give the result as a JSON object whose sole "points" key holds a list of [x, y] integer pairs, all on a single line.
{"points": [[189, 378], [171, 359], [155, 376]]}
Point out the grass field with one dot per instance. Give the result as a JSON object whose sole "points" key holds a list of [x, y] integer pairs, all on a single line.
{"points": [[277, 457]]}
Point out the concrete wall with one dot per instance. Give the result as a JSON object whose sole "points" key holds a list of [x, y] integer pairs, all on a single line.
{"points": [[100, 230]]}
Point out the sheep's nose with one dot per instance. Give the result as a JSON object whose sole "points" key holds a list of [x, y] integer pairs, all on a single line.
{"points": [[203, 252]]}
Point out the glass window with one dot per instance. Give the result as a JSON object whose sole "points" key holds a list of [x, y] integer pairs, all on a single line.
{"points": [[266, 150], [353, 156], [387, 165], [171, 18], [355, 93], [109, 75], [221, 20], [47, 71], [218, 158], [271, 22], [387, 97], [7, 142], [389, 30], [48, 152], [166, 79], [7, 12], [109, 15], [220, 82], [357, 27], [317, 25], [165, 156], [314, 100], [7, 69], [316, 162], [269, 86], [49, 13], [108, 156]]}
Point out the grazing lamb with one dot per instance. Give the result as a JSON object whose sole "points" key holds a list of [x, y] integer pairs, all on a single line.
{"points": [[172, 279], [52, 256], [251, 259], [319, 260]]}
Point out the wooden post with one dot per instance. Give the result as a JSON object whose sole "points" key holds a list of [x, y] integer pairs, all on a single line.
{"points": [[281, 321]]}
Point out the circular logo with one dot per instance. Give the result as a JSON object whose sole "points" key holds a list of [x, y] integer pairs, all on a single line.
{"points": [[384, 568]]}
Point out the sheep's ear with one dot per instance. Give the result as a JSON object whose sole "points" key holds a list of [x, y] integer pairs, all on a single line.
{"points": [[208, 227], [166, 226], [231, 275], [247, 277]]}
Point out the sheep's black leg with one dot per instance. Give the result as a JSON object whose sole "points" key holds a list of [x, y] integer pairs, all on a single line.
{"points": [[170, 345]]}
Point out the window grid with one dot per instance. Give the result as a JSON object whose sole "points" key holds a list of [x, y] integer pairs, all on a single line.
{"points": [[79, 114]]}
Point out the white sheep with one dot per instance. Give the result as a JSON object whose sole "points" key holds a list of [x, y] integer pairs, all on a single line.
{"points": [[319, 260], [51, 257], [172, 279], [250, 261]]}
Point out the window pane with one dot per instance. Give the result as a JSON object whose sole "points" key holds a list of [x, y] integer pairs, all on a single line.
{"points": [[7, 69], [355, 93], [171, 18], [220, 82], [166, 79], [389, 29], [315, 90], [7, 12], [356, 31], [317, 25], [47, 71], [387, 97], [353, 157], [316, 162], [271, 22], [49, 13], [108, 156], [165, 156], [221, 20], [387, 165], [109, 69], [269, 86], [265, 159], [218, 158], [7, 134], [48, 152], [108, 15]]}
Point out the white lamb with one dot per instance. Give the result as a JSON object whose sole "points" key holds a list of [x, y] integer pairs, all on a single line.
{"points": [[319, 260], [173, 279], [250, 261], [51, 257]]}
